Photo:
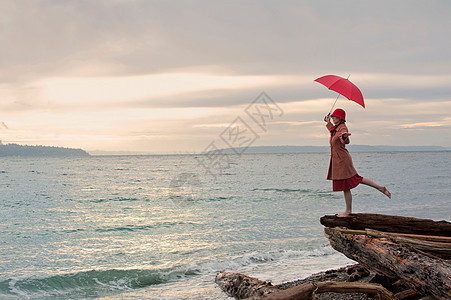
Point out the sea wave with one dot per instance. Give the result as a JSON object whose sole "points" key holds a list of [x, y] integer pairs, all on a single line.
{"points": [[104, 283], [87, 284]]}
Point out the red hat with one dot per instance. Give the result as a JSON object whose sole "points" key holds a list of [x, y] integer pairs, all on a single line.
{"points": [[339, 113]]}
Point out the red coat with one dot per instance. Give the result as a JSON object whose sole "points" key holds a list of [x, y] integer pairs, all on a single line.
{"points": [[340, 166]]}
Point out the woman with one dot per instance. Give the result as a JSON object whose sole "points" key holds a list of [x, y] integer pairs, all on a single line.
{"points": [[341, 169]]}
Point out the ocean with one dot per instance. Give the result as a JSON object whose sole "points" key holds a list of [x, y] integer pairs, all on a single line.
{"points": [[161, 227]]}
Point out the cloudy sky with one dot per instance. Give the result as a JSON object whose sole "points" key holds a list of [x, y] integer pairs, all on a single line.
{"points": [[170, 76]]}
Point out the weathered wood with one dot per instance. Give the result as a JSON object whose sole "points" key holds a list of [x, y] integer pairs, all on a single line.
{"points": [[389, 224], [439, 249], [308, 290], [355, 287], [420, 242], [245, 287], [357, 272], [305, 291], [431, 238], [242, 286], [426, 275], [406, 295]]}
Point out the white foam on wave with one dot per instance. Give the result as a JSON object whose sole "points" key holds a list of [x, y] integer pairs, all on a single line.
{"points": [[283, 266], [293, 264], [15, 290], [286, 270], [277, 267]]}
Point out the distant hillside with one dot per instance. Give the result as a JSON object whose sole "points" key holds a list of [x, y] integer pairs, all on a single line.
{"points": [[326, 149], [19, 150]]}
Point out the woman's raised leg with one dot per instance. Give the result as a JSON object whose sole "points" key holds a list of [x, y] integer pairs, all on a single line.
{"points": [[381, 188]]}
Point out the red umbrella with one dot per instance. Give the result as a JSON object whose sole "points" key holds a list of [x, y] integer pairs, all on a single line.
{"points": [[343, 87]]}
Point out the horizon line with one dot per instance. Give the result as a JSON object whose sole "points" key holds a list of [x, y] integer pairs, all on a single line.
{"points": [[323, 147]]}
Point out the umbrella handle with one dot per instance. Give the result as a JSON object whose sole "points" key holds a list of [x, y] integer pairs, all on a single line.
{"points": [[325, 117]]}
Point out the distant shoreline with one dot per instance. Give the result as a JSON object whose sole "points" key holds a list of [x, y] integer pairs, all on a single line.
{"points": [[11, 150]]}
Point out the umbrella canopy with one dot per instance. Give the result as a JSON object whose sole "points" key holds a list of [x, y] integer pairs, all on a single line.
{"points": [[342, 86]]}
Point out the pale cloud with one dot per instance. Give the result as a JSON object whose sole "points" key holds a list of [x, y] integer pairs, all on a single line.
{"points": [[404, 80], [445, 122], [219, 125], [80, 90], [152, 90], [297, 123]]}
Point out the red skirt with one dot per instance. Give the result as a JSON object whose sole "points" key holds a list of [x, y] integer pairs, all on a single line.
{"points": [[346, 184]]}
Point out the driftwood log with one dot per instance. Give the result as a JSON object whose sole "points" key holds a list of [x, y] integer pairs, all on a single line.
{"points": [[389, 224], [422, 273], [241, 286]]}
